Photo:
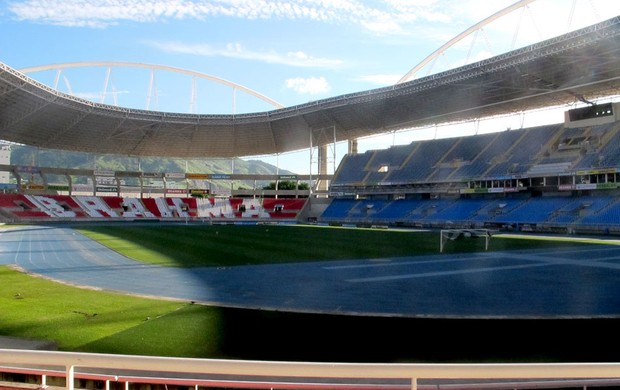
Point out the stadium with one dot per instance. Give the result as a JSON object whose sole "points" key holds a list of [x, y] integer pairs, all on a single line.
{"points": [[461, 239]]}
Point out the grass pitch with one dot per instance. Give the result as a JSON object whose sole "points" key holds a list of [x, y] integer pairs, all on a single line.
{"points": [[97, 321], [230, 245]]}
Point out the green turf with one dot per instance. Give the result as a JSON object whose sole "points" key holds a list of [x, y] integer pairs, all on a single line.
{"points": [[229, 245], [94, 321]]}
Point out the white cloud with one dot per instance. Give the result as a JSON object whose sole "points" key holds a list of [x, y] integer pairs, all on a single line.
{"points": [[310, 86], [410, 18], [383, 27], [109, 97], [86, 13], [238, 51], [381, 79], [102, 13], [383, 17]]}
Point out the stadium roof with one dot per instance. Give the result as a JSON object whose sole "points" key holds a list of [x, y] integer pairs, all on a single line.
{"points": [[580, 66]]}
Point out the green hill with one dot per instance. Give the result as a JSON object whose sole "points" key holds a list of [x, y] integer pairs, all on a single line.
{"points": [[31, 156]]}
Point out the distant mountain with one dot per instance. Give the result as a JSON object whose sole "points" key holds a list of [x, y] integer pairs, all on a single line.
{"points": [[31, 156]]}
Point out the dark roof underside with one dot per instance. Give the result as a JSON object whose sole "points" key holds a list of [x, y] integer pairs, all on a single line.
{"points": [[582, 65]]}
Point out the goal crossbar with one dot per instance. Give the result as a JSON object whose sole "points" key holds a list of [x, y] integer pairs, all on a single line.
{"points": [[453, 234]]}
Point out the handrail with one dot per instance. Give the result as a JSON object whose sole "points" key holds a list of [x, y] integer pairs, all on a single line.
{"points": [[161, 366]]}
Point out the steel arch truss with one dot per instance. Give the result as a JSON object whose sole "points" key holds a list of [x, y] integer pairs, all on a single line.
{"points": [[581, 65]]}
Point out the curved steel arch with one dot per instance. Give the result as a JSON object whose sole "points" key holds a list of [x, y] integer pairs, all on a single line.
{"points": [[451, 42], [582, 63], [187, 72]]}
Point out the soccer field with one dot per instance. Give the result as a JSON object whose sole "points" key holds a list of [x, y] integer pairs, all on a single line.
{"points": [[229, 245], [98, 321]]}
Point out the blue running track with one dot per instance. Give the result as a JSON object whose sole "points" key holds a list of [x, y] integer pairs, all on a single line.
{"points": [[562, 283]]}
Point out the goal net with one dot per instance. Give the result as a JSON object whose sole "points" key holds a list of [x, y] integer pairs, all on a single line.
{"points": [[454, 234]]}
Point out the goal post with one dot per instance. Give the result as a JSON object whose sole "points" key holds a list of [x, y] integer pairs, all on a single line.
{"points": [[454, 234]]}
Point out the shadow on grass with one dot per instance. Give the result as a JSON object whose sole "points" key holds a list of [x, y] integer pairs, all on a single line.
{"points": [[307, 337], [266, 335]]}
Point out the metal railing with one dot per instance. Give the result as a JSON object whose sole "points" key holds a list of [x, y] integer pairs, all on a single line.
{"points": [[299, 375]]}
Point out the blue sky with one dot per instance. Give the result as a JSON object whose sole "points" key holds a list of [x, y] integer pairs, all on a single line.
{"points": [[291, 51]]}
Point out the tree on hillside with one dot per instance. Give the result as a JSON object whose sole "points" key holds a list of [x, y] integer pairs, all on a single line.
{"points": [[287, 185]]}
